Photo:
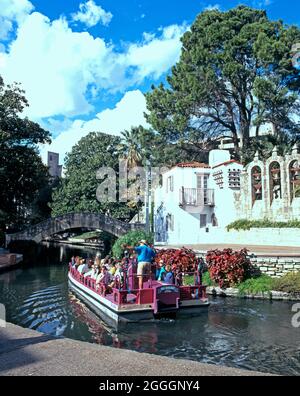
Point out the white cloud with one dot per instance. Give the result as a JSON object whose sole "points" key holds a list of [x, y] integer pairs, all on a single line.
{"points": [[261, 3], [91, 14], [127, 113], [56, 66], [12, 11], [155, 55], [211, 7], [63, 71]]}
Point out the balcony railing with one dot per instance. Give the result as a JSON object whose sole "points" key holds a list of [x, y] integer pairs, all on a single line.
{"points": [[196, 197]]}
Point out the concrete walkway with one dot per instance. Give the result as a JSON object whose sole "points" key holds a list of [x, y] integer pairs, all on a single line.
{"points": [[260, 251], [29, 353]]}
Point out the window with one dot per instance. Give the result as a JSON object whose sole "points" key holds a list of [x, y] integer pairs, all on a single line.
{"points": [[161, 181], [170, 222], [256, 180], [275, 181], [202, 184], [294, 170], [170, 184], [203, 220]]}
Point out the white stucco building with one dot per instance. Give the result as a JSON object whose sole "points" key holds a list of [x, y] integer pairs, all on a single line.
{"points": [[196, 201]]}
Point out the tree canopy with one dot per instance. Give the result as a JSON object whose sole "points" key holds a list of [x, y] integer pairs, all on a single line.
{"points": [[235, 74], [77, 191], [141, 145], [22, 173]]}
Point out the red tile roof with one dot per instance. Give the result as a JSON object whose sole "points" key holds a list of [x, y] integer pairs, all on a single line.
{"points": [[227, 163], [193, 164]]}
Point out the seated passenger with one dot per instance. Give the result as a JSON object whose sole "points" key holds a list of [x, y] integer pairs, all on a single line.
{"points": [[97, 261], [113, 269], [90, 269], [77, 262], [169, 276], [102, 281], [161, 270], [83, 268], [105, 261], [95, 271], [119, 276]]}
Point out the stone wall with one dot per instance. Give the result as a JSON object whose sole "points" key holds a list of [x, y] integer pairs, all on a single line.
{"points": [[276, 267]]}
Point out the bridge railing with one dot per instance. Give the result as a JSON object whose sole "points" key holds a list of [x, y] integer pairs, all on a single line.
{"points": [[66, 223]]}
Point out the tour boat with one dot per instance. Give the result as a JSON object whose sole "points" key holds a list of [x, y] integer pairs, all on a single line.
{"points": [[133, 305]]}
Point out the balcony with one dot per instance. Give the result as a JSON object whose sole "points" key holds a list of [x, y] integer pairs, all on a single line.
{"points": [[195, 199]]}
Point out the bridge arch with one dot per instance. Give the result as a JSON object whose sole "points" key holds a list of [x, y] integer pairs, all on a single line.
{"points": [[66, 222]]}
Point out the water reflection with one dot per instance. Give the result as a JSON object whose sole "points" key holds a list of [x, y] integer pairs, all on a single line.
{"points": [[240, 333]]}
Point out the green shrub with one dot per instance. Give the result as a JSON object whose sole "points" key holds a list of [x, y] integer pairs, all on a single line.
{"points": [[132, 238], [261, 284], [289, 283], [189, 280], [89, 235], [206, 280], [245, 225]]}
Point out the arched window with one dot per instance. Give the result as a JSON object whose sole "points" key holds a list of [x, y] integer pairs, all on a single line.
{"points": [[275, 181], [294, 179], [256, 180]]}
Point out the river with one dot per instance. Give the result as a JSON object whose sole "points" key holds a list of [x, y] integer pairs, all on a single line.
{"points": [[255, 335]]}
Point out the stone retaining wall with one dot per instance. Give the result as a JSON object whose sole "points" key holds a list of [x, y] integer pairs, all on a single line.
{"points": [[276, 267], [232, 292]]}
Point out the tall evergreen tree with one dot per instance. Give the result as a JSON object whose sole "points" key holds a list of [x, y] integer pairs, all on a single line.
{"points": [[235, 73]]}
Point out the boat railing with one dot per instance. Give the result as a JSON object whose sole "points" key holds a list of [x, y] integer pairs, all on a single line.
{"points": [[124, 294], [128, 297]]}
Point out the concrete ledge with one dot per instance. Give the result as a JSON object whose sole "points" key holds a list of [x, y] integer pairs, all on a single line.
{"points": [[29, 353], [257, 250], [232, 292]]}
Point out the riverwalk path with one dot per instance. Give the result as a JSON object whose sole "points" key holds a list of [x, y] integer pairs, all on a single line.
{"points": [[29, 353], [259, 251]]}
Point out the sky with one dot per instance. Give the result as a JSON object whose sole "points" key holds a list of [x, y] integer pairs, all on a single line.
{"points": [[85, 64]]}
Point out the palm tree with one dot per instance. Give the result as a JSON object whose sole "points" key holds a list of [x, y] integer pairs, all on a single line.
{"points": [[132, 147], [134, 152]]}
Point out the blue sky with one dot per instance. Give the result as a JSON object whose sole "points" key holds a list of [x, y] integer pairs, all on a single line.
{"points": [[85, 63]]}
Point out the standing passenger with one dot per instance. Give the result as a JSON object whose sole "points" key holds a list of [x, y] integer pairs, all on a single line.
{"points": [[145, 258]]}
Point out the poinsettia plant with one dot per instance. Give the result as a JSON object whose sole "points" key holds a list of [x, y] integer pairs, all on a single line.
{"points": [[183, 259], [227, 267]]}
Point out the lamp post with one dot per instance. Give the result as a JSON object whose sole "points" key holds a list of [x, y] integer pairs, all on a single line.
{"points": [[147, 195]]}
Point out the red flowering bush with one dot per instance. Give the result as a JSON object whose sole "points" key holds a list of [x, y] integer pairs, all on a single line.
{"points": [[228, 268], [183, 259]]}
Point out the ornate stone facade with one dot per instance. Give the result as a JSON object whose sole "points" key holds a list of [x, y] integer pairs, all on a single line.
{"points": [[270, 189]]}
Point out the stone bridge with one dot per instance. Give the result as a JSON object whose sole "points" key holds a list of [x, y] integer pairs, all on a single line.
{"points": [[92, 221]]}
